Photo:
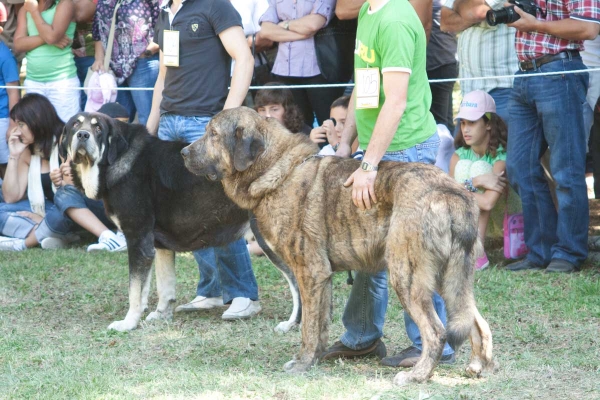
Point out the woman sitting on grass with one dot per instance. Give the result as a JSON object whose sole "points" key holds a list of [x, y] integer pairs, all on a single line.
{"points": [[40, 204], [480, 158]]}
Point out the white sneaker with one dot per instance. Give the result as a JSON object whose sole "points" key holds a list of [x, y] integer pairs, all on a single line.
{"points": [[109, 241], [201, 303], [10, 244], [51, 243], [242, 307]]}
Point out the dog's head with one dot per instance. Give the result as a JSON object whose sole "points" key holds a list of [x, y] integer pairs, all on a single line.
{"points": [[93, 141], [233, 141]]}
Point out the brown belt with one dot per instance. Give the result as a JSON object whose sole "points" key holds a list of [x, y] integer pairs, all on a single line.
{"points": [[538, 62]]}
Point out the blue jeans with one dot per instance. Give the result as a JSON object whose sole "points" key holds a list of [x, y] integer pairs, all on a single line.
{"points": [[547, 111], [144, 76], [501, 97], [225, 270], [83, 64], [67, 197], [364, 314]]}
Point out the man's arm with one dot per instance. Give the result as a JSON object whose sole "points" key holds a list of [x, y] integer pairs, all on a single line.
{"points": [[307, 25], [452, 22], [424, 9], [395, 87], [234, 41], [349, 132], [569, 28], [154, 116], [348, 9], [276, 33], [84, 10]]}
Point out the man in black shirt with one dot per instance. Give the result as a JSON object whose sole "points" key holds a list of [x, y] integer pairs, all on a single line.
{"points": [[198, 39]]}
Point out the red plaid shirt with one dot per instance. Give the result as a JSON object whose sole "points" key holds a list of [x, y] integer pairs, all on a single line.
{"points": [[531, 45]]}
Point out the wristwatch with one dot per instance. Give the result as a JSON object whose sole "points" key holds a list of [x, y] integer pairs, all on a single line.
{"points": [[286, 25], [368, 167]]}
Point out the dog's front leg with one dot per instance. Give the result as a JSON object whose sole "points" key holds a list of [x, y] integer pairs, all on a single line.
{"points": [[141, 254], [315, 291], [165, 284], [295, 316]]}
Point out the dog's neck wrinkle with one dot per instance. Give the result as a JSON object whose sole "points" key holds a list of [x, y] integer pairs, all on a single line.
{"points": [[247, 191]]}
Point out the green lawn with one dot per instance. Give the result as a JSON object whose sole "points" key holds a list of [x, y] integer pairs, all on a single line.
{"points": [[56, 305]]}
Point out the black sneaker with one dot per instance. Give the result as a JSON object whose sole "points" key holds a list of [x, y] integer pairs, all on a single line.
{"points": [[408, 357], [561, 266], [339, 350], [523, 265]]}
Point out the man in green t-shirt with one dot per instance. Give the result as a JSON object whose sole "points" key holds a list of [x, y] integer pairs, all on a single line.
{"points": [[389, 111]]}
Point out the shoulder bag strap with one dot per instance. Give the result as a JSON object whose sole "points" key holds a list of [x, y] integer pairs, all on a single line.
{"points": [[111, 38]]}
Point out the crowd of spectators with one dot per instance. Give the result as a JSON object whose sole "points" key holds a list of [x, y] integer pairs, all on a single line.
{"points": [[529, 131]]}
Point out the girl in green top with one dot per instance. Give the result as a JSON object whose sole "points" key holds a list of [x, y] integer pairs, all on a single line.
{"points": [[479, 161], [45, 31]]}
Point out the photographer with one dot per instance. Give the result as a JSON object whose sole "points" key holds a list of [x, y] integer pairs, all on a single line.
{"points": [[483, 50], [547, 112]]}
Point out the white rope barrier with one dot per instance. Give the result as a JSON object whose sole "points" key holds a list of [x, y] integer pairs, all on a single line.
{"points": [[331, 85]]}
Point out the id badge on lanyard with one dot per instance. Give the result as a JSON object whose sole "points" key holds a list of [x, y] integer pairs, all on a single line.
{"points": [[171, 48], [367, 87]]}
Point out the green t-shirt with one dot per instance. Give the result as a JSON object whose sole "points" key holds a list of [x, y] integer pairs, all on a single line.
{"points": [[468, 154], [48, 63], [393, 39]]}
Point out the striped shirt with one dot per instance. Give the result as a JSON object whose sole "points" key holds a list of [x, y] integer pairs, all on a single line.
{"points": [[531, 45], [485, 50]]}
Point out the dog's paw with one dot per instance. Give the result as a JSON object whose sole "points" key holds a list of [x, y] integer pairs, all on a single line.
{"points": [[122, 326], [474, 369], [403, 378], [159, 316], [285, 327], [294, 366]]}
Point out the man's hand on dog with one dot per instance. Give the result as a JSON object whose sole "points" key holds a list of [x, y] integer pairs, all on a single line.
{"points": [[363, 190]]}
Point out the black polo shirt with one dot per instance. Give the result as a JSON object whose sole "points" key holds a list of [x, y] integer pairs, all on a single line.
{"points": [[198, 87]]}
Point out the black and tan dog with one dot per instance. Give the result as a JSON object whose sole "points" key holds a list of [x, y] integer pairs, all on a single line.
{"points": [[157, 203], [423, 230]]}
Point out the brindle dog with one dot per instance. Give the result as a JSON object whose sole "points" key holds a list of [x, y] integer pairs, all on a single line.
{"points": [[423, 229]]}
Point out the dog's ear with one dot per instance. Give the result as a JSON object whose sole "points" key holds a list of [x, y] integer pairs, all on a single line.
{"points": [[115, 143], [248, 146], [63, 145]]}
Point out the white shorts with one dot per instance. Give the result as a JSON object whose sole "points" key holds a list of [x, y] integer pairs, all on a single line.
{"points": [[64, 99]]}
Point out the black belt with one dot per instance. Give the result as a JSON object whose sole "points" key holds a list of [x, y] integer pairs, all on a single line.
{"points": [[538, 62]]}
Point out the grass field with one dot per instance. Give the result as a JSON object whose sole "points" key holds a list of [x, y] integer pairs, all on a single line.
{"points": [[55, 307]]}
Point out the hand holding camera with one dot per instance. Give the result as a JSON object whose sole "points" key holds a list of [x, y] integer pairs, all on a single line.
{"points": [[325, 132], [510, 13]]}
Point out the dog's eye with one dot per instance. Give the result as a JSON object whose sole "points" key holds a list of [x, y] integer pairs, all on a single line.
{"points": [[98, 130], [76, 124]]}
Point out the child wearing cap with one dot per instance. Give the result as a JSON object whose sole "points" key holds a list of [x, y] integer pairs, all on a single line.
{"points": [[479, 162]]}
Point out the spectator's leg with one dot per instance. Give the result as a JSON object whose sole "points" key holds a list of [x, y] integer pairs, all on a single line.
{"points": [[65, 97], [441, 94], [526, 145], [144, 76], [567, 138], [300, 97], [235, 271], [83, 64], [321, 99], [125, 99]]}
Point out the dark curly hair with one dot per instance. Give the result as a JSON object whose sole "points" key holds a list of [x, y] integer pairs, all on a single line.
{"points": [[292, 118], [498, 134]]}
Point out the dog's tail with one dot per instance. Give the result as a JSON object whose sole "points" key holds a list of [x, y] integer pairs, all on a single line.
{"points": [[457, 279]]}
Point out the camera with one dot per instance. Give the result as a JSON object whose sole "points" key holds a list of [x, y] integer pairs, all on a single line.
{"points": [[508, 15]]}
